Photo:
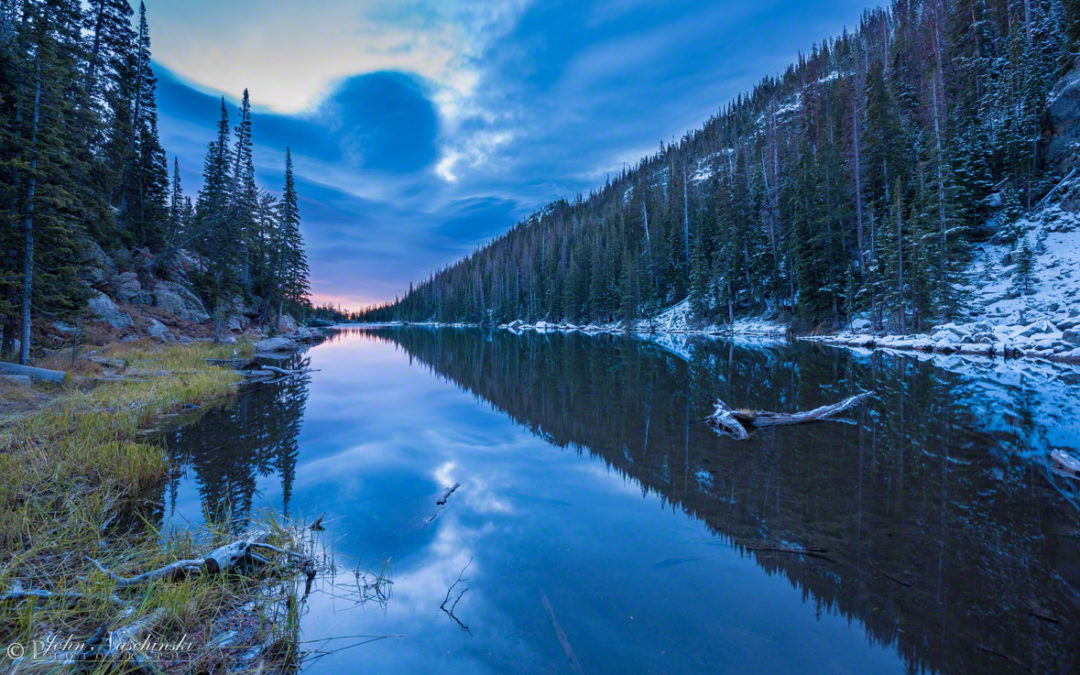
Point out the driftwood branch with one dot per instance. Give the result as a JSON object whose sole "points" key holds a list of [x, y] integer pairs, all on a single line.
{"points": [[220, 560], [1065, 464], [737, 423], [69, 597], [449, 591], [175, 570], [446, 494]]}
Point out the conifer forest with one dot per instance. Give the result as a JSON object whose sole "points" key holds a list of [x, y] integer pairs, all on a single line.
{"points": [[83, 175], [855, 182]]}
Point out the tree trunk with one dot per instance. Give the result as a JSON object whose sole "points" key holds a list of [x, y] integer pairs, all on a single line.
{"points": [[28, 226]]}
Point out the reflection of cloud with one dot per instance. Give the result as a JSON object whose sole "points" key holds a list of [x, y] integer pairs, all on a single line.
{"points": [[474, 493]]}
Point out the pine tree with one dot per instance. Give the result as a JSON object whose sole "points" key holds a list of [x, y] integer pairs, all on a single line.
{"points": [[1023, 276], [244, 198], [43, 171], [146, 177], [217, 243], [292, 277]]}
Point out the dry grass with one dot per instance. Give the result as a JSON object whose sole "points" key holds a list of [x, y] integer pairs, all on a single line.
{"points": [[75, 475]]}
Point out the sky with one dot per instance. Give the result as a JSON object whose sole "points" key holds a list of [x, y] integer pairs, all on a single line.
{"points": [[421, 129]]}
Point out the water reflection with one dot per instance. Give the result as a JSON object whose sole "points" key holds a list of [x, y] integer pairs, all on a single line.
{"points": [[233, 445], [933, 523]]}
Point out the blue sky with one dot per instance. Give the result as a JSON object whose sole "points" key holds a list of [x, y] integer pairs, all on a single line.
{"points": [[422, 128]]}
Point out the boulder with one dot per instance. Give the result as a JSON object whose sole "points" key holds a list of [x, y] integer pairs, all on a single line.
{"points": [[159, 331], [236, 322], [105, 309], [286, 324], [1071, 337], [950, 331], [125, 286], [305, 334], [142, 259], [95, 267], [178, 299], [277, 344], [1040, 328]]}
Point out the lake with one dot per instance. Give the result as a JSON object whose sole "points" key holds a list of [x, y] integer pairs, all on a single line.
{"points": [[601, 527]]}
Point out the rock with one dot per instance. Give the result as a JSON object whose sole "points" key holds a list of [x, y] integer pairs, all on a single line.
{"points": [[286, 324], [950, 331], [66, 328], [1071, 337], [91, 276], [159, 331], [277, 344], [305, 334], [1040, 329], [105, 309], [179, 300], [125, 286], [95, 266], [235, 322], [142, 259]]}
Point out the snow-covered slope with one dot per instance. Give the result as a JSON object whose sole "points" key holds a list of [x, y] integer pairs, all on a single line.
{"points": [[1042, 322]]}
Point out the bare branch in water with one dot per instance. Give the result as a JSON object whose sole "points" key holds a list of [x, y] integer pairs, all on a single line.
{"points": [[449, 591]]}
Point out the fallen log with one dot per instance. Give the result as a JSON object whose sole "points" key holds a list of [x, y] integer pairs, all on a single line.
{"points": [[221, 559], [280, 371], [737, 423], [56, 376]]}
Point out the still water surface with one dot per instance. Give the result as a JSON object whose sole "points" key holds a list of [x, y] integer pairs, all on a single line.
{"points": [[602, 528]]}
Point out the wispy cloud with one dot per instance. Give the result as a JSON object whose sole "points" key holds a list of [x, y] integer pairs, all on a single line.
{"points": [[421, 128]]}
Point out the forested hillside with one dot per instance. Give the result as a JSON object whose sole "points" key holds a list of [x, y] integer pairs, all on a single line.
{"points": [[90, 215], [855, 183]]}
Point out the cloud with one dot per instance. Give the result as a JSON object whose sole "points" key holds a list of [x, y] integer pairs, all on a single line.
{"points": [[295, 53], [422, 128]]}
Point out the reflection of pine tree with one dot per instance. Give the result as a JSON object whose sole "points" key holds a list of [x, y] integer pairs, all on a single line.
{"points": [[858, 489], [228, 449]]}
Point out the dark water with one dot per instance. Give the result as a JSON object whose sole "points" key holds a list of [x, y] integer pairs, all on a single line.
{"points": [[603, 528]]}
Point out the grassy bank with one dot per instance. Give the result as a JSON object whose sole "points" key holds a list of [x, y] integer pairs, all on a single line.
{"points": [[76, 472]]}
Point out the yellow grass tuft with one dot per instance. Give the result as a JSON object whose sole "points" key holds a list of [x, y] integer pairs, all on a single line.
{"points": [[77, 464]]}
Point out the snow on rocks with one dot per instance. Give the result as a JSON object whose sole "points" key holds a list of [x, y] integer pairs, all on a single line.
{"points": [[673, 320], [1044, 323]]}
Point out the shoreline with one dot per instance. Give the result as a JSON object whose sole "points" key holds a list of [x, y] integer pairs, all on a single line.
{"points": [[81, 462], [764, 330]]}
